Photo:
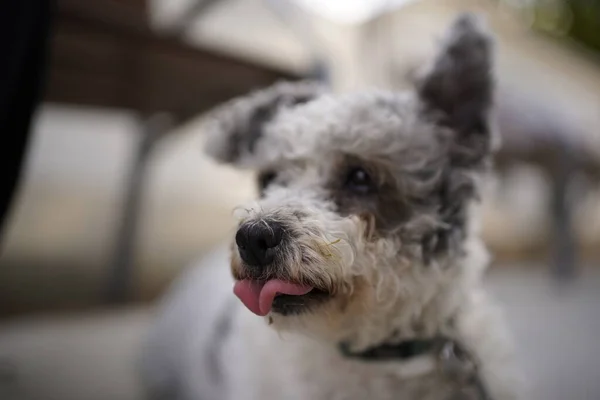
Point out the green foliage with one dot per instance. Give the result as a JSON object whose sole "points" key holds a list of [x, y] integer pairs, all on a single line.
{"points": [[576, 19], [586, 22]]}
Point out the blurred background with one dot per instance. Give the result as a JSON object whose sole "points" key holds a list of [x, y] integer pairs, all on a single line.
{"points": [[116, 196]]}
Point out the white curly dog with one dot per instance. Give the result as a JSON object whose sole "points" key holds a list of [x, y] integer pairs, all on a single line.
{"points": [[358, 270]]}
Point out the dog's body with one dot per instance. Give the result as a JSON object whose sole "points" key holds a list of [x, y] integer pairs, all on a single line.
{"points": [[362, 255], [225, 352]]}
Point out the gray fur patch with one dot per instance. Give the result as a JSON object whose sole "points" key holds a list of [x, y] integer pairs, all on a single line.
{"points": [[235, 127], [457, 88], [220, 334]]}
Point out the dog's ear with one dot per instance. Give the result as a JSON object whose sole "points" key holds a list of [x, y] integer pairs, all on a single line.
{"points": [[456, 90], [234, 128]]}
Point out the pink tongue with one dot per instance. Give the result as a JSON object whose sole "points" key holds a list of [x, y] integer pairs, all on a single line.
{"points": [[258, 296]]}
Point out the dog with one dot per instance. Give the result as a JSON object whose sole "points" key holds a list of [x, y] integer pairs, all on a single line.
{"points": [[358, 272]]}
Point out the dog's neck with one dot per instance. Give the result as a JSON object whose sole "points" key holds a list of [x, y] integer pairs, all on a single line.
{"points": [[405, 323], [427, 312]]}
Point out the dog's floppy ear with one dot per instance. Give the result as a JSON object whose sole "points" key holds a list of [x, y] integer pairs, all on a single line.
{"points": [[456, 90], [234, 128]]}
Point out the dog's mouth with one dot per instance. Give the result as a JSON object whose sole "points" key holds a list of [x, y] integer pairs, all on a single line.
{"points": [[275, 295]]}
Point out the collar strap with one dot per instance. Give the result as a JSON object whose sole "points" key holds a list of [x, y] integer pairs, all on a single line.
{"points": [[401, 351]]}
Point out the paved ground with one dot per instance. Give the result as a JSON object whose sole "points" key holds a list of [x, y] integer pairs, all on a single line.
{"points": [[556, 329], [92, 357]]}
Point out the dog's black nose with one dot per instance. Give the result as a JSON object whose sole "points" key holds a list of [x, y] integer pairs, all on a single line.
{"points": [[257, 242]]}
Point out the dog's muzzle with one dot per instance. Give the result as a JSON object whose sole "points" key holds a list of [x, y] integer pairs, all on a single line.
{"points": [[266, 287], [258, 243]]}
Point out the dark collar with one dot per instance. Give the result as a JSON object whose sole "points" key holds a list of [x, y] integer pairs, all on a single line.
{"points": [[402, 351]]}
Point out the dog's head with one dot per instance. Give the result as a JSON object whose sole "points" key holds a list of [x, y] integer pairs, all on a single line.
{"points": [[364, 197]]}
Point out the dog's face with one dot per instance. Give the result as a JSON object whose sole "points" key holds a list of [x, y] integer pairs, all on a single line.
{"points": [[362, 195]]}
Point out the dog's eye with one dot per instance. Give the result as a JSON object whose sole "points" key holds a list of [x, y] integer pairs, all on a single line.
{"points": [[265, 179], [359, 181]]}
